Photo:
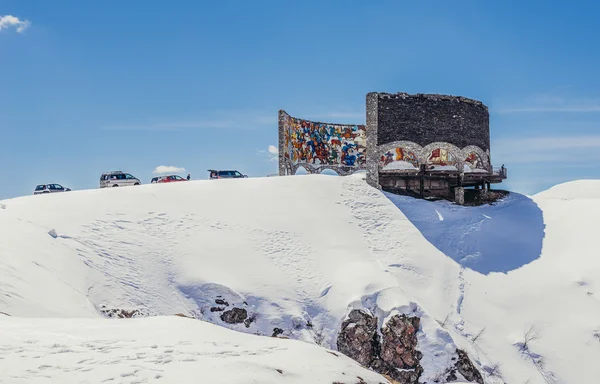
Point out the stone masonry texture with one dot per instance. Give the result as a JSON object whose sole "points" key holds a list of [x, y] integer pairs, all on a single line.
{"points": [[428, 118]]}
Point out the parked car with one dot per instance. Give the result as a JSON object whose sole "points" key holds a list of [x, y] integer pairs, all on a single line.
{"points": [[49, 188], [155, 179], [170, 179], [225, 174], [118, 179]]}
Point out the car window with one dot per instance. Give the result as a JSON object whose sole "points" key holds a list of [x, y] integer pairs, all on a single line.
{"points": [[237, 173], [128, 176], [40, 187], [58, 186]]}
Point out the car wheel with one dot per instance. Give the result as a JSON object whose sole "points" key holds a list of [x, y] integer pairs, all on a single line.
{"points": [[136, 184], [115, 185]]}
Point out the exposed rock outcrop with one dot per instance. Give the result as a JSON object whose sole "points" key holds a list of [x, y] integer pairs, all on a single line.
{"points": [[121, 313], [358, 337], [465, 367], [395, 356], [399, 354], [234, 316]]}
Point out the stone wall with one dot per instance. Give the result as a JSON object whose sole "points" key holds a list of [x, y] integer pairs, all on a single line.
{"points": [[441, 132], [424, 119]]}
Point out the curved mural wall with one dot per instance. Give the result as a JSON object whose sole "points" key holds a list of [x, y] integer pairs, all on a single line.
{"points": [[317, 146]]}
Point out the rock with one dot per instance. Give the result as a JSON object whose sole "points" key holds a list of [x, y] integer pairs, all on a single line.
{"points": [[249, 320], [399, 354], [358, 338], [277, 332], [465, 367], [221, 302], [216, 309], [396, 356], [52, 233], [121, 313], [234, 316]]}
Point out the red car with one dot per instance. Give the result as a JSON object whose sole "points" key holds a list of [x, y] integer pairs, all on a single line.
{"points": [[170, 179]]}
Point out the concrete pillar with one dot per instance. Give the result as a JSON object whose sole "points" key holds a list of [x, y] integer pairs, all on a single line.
{"points": [[489, 186], [372, 159], [459, 195], [281, 143]]}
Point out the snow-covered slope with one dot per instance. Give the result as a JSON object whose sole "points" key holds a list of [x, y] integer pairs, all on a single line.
{"points": [[161, 349], [297, 253]]}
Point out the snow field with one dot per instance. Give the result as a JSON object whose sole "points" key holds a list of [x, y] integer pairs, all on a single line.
{"points": [[299, 252]]}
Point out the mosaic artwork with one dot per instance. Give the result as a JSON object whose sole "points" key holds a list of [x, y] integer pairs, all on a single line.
{"points": [[473, 161], [398, 158], [441, 156], [320, 144]]}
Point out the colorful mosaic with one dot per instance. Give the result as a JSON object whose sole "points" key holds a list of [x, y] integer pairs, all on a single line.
{"points": [[406, 158], [474, 161], [441, 156], [320, 144]]}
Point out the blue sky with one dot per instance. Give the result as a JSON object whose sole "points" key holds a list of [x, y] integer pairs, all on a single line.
{"points": [[87, 87]]}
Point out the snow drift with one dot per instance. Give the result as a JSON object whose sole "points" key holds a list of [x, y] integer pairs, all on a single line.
{"points": [[294, 255]]}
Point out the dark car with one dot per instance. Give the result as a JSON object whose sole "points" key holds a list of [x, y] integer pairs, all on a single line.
{"points": [[214, 174], [49, 188]]}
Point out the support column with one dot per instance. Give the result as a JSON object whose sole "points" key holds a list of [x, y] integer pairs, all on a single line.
{"points": [[459, 195], [372, 163], [422, 180], [489, 186], [459, 191]]}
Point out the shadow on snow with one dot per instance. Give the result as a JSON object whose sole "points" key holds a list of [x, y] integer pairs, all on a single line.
{"points": [[488, 238]]}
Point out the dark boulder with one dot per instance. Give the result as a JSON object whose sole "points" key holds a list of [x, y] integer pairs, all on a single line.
{"points": [[234, 316], [399, 354], [358, 338]]}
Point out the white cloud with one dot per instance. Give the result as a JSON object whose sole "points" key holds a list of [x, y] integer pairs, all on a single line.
{"points": [[162, 169], [272, 153], [9, 21]]}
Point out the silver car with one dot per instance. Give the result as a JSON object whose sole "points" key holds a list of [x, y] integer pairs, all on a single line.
{"points": [[49, 188], [118, 179]]}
